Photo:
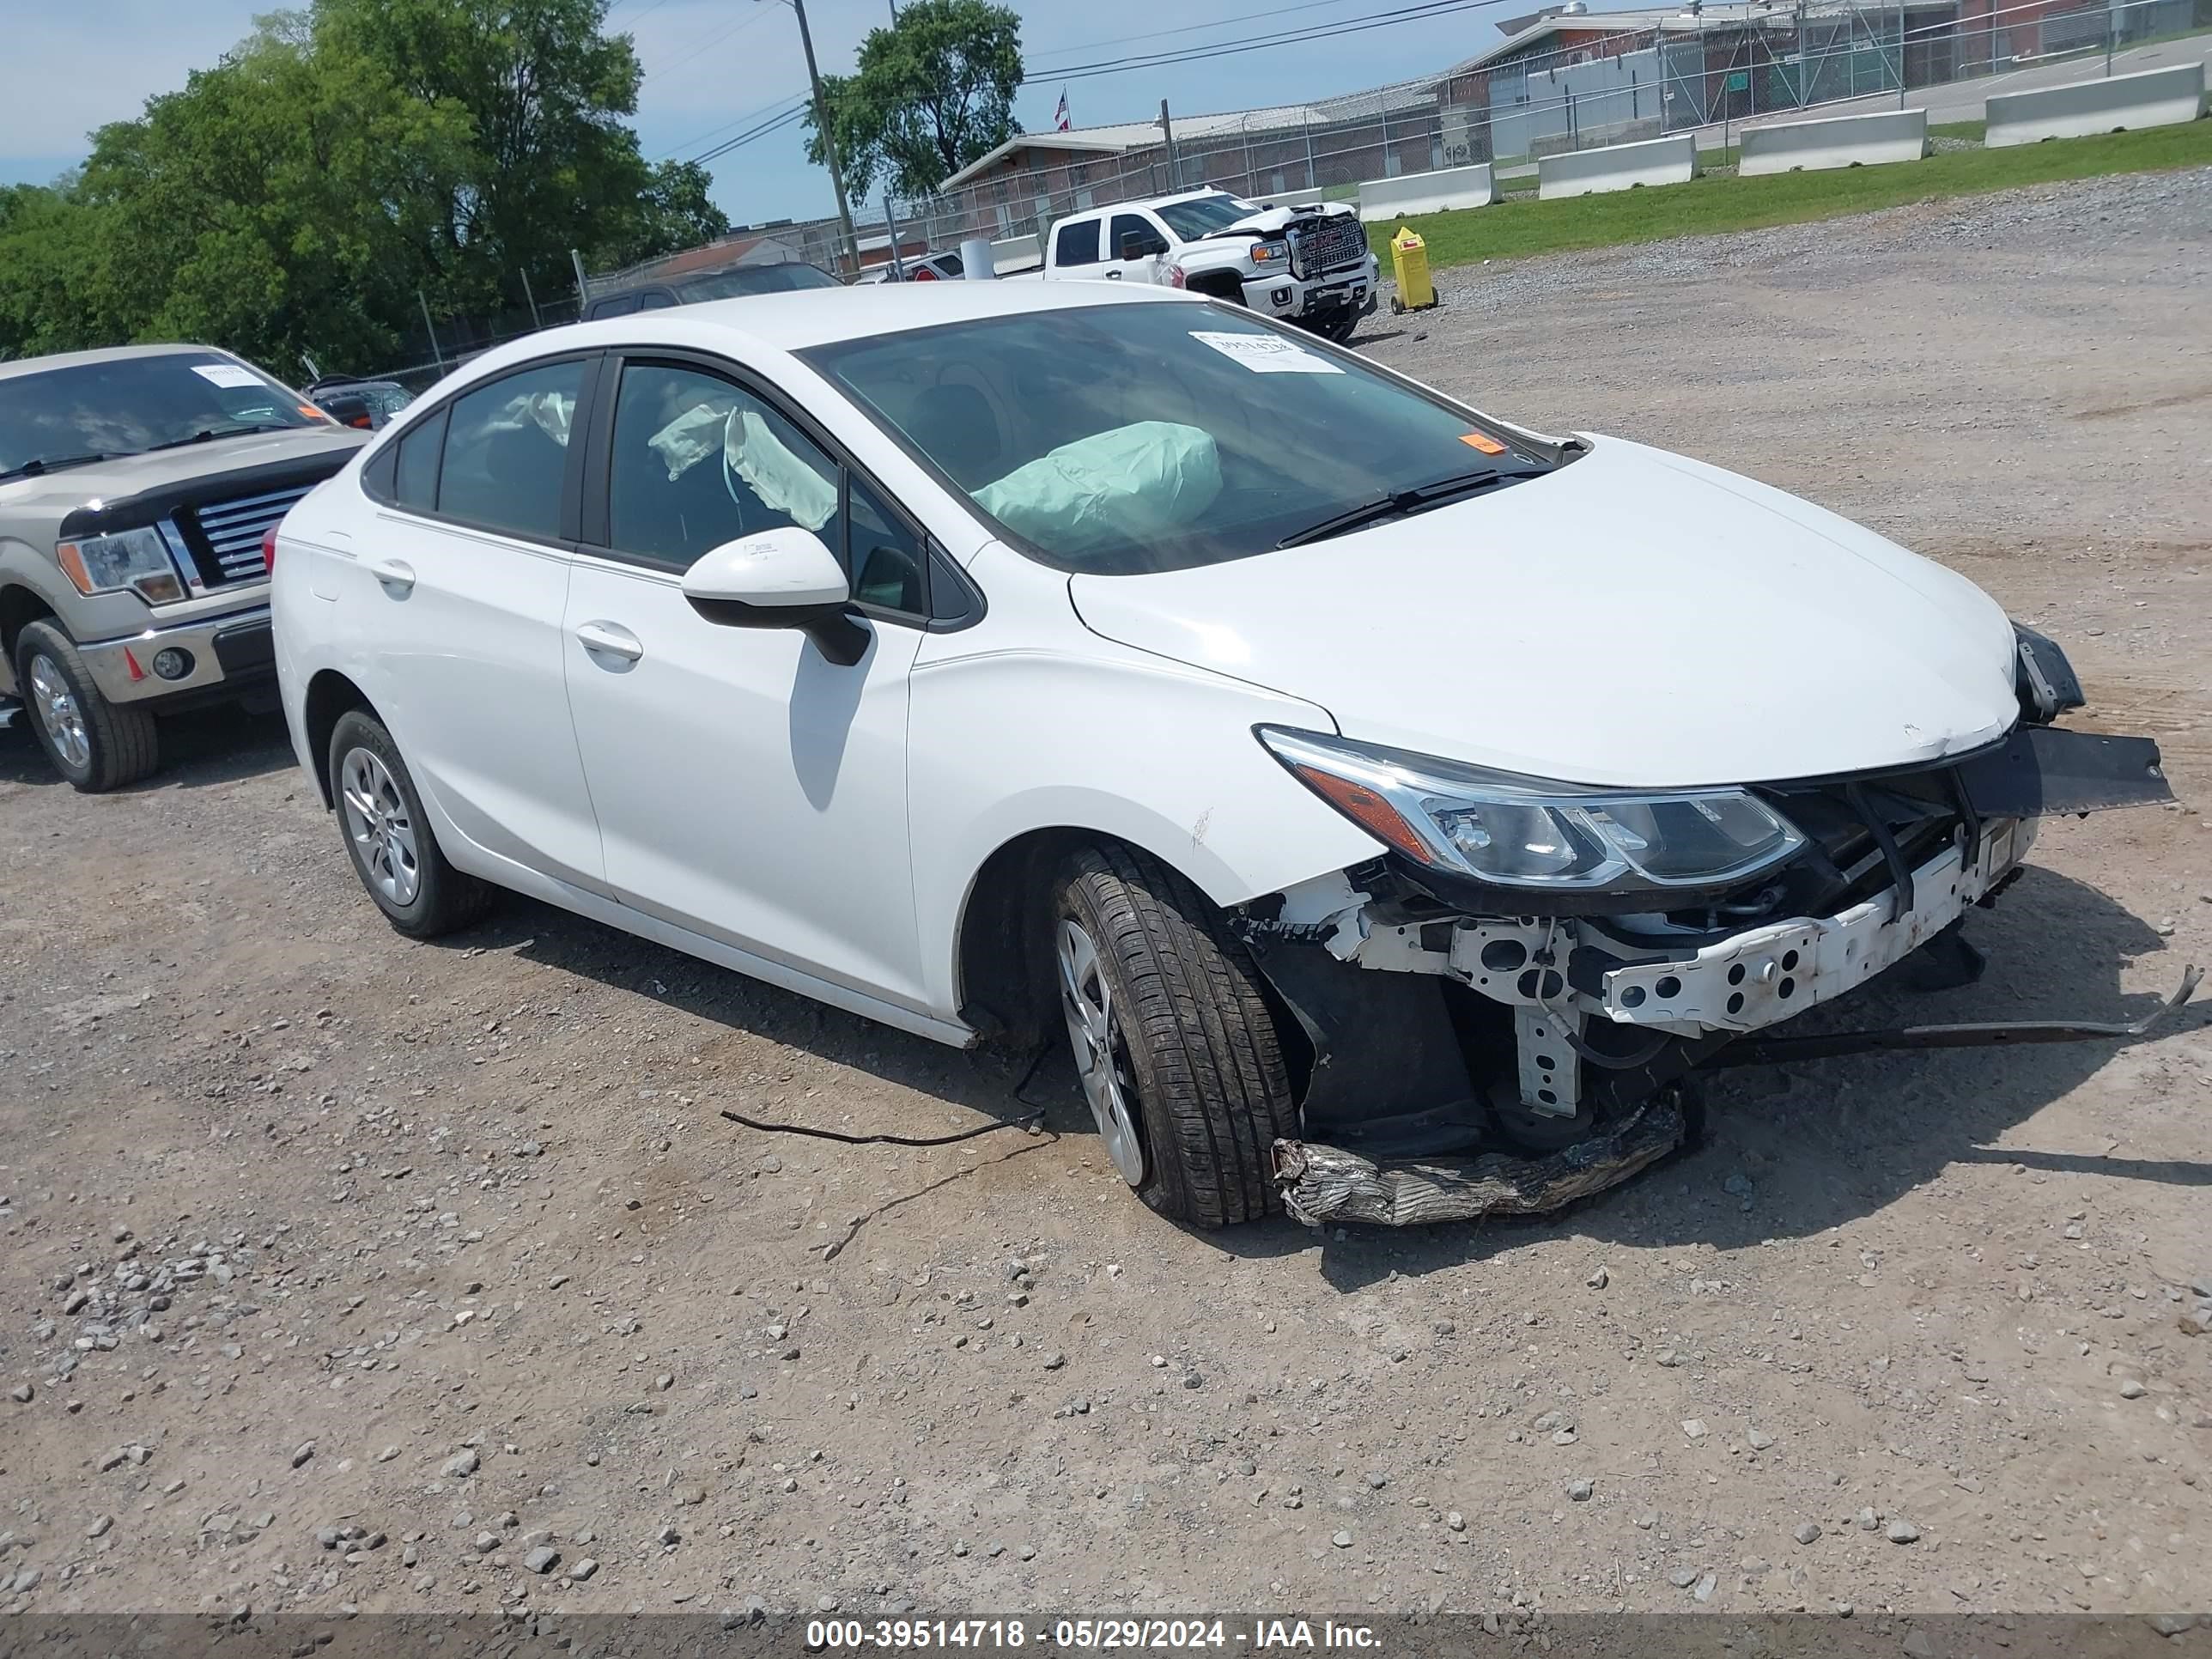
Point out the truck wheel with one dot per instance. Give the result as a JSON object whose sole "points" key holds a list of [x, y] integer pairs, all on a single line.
{"points": [[389, 838], [1174, 1042], [1342, 326], [97, 745]]}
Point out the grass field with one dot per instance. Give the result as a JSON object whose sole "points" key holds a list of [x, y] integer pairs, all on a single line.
{"points": [[1516, 228]]}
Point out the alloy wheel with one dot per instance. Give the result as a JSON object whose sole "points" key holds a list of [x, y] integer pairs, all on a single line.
{"points": [[59, 713], [1101, 1052], [380, 826]]}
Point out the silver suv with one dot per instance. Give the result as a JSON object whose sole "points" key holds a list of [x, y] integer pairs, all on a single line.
{"points": [[136, 485]]}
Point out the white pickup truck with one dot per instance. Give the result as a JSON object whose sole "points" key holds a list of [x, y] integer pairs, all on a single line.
{"points": [[1309, 265]]}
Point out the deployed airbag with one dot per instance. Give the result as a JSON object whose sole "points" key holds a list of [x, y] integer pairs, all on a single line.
{"points": [[785, 483], [1109, 488]]}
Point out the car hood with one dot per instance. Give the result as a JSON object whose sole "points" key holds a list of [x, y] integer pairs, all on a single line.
{"points": [[1270, 220], [1632, 618], [58, 493]]}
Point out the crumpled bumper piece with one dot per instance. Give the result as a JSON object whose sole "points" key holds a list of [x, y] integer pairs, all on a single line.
{"points": [[1326, 1183]]}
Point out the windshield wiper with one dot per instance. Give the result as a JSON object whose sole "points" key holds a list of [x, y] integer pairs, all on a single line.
{"points": [[1404, 501], [208, 433], [39, 464]]}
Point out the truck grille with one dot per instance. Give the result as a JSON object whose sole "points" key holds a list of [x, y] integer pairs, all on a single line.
{"points": [[224, 537], [1323, 243]]}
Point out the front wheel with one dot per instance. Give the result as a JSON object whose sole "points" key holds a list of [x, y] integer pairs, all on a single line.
{"points": [[1340, 324], [1174, 1042], [95, 744]]}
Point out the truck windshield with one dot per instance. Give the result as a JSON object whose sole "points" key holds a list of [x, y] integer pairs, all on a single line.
{"points": [[128, 406], [1160, 435], [1204, 215], [755, 279]]}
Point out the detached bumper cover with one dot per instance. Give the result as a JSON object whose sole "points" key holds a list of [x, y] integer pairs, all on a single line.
{"points": [[1327, 1183]]}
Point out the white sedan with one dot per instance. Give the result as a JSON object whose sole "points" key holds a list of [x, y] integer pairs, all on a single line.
{"points": [[1337, 763]]}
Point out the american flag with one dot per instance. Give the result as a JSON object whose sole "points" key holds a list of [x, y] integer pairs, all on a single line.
{"points": [[1060, 115]]}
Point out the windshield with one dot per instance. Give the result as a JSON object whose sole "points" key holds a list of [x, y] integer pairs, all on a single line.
{"points": [[130, 404], [755, 279], [1119, 439], [1204, 215]]}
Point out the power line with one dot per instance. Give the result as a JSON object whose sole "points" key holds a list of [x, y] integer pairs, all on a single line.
{"points": [[1190, 28], [742, 23], [1258, 43], [762, 131], [750, 115]]}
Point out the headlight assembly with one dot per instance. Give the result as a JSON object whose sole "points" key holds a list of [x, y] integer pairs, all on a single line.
{"points": [[1534, 834], [137, 560]]}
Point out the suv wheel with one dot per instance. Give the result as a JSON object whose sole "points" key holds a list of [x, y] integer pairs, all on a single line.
{"points": [[95, 744], [1174, 1042], [389, 838]]}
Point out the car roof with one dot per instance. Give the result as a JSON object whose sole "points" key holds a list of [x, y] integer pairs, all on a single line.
{"points": [[104, 355], [802, 318]]}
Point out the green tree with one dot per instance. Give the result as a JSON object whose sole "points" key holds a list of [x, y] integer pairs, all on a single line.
{"points": [[930, 94], [295, 199]]}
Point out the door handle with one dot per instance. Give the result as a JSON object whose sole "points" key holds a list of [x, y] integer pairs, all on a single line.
{"points": [[608, 639], [394, 573]]}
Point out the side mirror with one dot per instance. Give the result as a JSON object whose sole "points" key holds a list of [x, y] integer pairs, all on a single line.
{"points": [[781, 578], [1141, 244]]}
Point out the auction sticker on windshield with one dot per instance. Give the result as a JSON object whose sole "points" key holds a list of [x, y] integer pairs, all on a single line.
{"points": [[228, 374], [1265, 354]]}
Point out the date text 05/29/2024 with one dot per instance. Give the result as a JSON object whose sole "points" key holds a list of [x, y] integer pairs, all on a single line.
{"points": [[1087, 1635]]}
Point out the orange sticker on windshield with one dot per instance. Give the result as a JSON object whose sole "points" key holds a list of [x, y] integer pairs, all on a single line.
{"points": [[1482, 441]]}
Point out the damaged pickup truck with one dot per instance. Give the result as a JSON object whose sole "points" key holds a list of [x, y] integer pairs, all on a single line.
{"points": [[1396, 807]]}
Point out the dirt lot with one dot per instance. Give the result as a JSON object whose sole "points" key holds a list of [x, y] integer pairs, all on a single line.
{"points": [[309, 1229]]}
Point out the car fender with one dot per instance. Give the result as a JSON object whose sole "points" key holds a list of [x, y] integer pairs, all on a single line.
{"points": [[1059, 729], [22, 566]]}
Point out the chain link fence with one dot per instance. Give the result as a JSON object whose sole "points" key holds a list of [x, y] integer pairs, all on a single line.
{"points": [[1611, 80]]}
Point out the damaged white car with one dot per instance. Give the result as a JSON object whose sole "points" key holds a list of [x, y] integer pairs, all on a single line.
{"points": [[1323, 755]]}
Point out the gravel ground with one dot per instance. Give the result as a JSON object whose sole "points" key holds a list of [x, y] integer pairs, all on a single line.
{"points": [[344, 1272]]}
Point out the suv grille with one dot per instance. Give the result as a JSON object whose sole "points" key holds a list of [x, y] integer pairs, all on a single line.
{"points": [[1323, 243], [225, 537]]}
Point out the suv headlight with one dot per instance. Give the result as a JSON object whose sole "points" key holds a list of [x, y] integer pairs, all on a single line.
{"points": [[1268, 252], [137, 560], [1533, 833]]}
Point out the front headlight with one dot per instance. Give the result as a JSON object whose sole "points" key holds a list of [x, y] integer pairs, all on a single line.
{"points": [[137, 560], [1268, 252], [1531, 833]]}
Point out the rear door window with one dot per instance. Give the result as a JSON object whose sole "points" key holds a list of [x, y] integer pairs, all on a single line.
{"points": [[1076, 244], [505, 454]]}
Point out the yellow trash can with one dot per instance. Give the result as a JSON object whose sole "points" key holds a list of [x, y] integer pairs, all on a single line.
{"points": [[1409, 263]]}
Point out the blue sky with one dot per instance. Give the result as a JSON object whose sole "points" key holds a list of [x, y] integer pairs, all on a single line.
{"points": [[708, 63]]}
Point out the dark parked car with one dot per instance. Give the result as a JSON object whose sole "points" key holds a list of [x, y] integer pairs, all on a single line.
{"points": [[712, 285], [366, 404]]}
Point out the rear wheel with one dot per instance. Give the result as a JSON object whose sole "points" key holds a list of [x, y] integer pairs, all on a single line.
{"points": [[389, 838], [1174, 1042], [95, 744]]}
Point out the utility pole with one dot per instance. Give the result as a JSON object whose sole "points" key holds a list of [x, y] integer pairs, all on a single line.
{"points": [[1175, 167], [828, 139]]}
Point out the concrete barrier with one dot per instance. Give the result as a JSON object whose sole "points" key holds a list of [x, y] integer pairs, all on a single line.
{"points": [[1845, 141], [2154, 98], [1015, 253], [1426, 192], [1617, 167]]}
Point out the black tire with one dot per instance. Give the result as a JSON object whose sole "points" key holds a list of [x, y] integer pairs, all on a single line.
{"points": [[120, 744], [442, 899], [1198, 1037], [1342, 327]]}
